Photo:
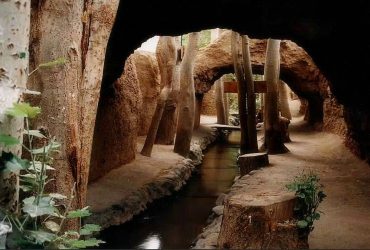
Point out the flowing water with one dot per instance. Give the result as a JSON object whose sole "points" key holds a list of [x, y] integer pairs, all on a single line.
{"points": [[175, 221]]}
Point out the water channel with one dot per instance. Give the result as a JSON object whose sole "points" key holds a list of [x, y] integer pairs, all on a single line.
{"points": [[175, 221]]}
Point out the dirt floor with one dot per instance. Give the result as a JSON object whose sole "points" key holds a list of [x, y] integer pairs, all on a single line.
{"points": [[345, 222]]}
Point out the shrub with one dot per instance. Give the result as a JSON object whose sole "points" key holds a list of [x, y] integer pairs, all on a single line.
{"points": [[310, 194]]}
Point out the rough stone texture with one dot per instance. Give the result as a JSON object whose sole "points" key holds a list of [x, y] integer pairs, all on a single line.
{"points": [[297, 69], [116, 126], [132, 186], [209, 103], [149, 80], [334, 117], [165, 183], [206, 136], [316, 25], [358, 135], [352, 124]]}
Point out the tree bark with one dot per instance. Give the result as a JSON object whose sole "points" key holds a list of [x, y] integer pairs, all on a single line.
{"points": [[167, 126], [252, 161], [242, 92], [102, 14], [185, 122], [255, 221], [14, 58], [70, 94], [273, 139], [251, 97], [283, 100], [198, 109], [219, 89], [167, 57]]}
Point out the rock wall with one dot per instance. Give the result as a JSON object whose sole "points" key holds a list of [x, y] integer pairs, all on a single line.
{"points": [[358, 135], [334, 117], [297, 69], [149, 81], [116, 127], [209, 103]]}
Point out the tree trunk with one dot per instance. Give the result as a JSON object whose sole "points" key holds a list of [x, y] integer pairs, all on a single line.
{"points": [[251, 97], [242, 92], [219, 89], [96, 39], [167, 57], [198, 109], [185, 122], [70, 94], [273, 139], [14, 58], [255, 221], [283, 101], [252, 161], [167, 126], [226, 101]]}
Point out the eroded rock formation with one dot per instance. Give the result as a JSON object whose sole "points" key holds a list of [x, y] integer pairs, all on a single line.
{"points": [[116, 126], [149, 80], [297, 69]]}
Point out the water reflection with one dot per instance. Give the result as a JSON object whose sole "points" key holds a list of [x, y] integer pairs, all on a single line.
{"points": [[152, 242], [174, 222]]}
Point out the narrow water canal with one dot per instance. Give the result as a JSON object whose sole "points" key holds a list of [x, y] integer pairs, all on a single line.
{"points": [[174, 222]]}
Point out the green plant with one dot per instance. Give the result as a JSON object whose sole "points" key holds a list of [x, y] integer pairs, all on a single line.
{"points": [[310, 194], [41, 217]]}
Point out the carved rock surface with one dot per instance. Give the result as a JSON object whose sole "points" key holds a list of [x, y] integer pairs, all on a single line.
{"points": [[149, 81]]}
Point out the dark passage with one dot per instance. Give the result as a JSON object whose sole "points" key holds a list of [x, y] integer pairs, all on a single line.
{"points": [[174, 222]]}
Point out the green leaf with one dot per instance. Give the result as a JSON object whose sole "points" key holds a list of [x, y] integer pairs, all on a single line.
{"points": [[41, 236], [23, 110], [56, 62], [50, 147], [316, 216], [38, 167], [26, 188], [92, 242], [13, 163], [302, 224], [71, 233], [36, 133], [8, 140], [52, 226], [80, 213], [57, 196], [89, 229], [45, 207]]}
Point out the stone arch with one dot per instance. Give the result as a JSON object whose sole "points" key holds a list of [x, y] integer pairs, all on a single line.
{"points": [[297, 69]]}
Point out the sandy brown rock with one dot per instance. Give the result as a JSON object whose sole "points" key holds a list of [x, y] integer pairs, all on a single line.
{"points": [[149, 80], [209, 102], [117, 124], [334, 117], [297, 69]]}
